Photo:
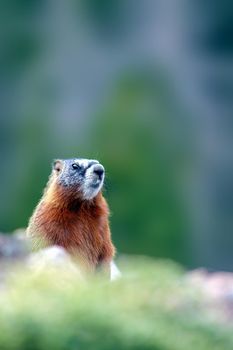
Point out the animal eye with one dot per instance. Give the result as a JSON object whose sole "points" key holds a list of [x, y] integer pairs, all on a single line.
{"points": [[76, 166]]}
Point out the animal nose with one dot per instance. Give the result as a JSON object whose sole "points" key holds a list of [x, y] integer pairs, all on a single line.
{"points": [[92, 162], [98, 169]]}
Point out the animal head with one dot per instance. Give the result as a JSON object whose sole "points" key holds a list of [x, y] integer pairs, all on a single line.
{"points": [[85, 177]]}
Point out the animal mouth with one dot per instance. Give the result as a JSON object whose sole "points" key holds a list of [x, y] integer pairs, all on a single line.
{"points": [[93, 180], [96, 179], [95, 183]]}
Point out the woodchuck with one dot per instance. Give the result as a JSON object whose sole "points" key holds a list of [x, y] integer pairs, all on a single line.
{"points": [[73, 214]]}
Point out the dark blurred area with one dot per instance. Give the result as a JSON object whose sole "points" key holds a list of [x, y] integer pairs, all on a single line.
{"points": [[146, 87]]}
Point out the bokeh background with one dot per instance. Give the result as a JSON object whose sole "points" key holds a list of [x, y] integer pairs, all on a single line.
{"points": [[144, 86]]}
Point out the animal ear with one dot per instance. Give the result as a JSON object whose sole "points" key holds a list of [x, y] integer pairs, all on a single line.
{"points": [[57, 164]]}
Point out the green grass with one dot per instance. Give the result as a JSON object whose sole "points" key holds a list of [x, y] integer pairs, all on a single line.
{"points": [[151, 307]]}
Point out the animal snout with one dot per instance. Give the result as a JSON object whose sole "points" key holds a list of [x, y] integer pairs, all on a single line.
{"points": [[98, 169]]}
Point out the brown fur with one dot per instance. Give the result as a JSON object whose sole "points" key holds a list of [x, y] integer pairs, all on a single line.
{"points": [[81, 227]]}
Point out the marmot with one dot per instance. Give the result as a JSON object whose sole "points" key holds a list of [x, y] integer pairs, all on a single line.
{"points": [[73, 213]]}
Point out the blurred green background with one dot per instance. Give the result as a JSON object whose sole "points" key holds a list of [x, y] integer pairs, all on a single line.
{"points": [[145, 87]]}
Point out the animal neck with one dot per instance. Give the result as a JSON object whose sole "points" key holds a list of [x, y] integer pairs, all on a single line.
{"points": [[68, 200]]}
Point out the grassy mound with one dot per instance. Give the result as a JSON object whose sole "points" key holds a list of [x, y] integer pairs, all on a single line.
{"points": [[151, 307]]}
